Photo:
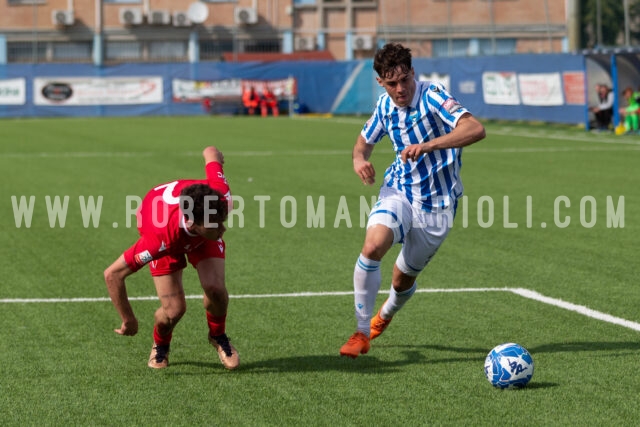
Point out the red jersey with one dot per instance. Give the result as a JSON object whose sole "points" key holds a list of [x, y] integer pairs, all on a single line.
{"points": [[161, 222]]}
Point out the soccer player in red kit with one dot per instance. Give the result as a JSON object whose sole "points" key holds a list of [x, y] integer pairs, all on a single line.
{"points": [[179, 221]]}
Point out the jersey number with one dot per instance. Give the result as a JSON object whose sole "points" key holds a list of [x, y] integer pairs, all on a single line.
{"points": [[167, 194]]}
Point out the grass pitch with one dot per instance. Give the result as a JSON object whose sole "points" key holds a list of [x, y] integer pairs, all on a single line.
{"points": [[549, 209]]}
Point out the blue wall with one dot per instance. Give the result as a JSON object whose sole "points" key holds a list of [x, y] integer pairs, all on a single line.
{"points": [[345, 87]]}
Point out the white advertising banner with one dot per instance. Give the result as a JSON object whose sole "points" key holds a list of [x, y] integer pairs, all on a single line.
{"points": [[195, 91], [541, 89], [500, 88], [70, 91], [13, 91]]}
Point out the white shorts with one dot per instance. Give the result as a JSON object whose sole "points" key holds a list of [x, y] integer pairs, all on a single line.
{"points": [[421, 233]]}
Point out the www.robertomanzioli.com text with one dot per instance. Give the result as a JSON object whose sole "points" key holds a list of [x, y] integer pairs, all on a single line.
{"points": [[320, 212]]}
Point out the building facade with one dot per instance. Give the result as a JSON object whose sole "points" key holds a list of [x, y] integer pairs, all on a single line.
{"points": [[112, 31]]}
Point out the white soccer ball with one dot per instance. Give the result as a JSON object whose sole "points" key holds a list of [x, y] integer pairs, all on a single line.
{"points": [[508, 366]]}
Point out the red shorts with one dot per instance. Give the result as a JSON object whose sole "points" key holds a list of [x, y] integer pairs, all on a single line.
{"points": [[171, 263]]}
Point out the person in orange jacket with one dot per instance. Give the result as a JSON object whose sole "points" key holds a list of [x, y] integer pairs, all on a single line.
{"points": [[250, 100], [269, 100]]}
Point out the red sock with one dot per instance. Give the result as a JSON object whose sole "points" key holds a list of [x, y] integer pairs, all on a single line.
{"points": [[161, 339], [217, 324]]}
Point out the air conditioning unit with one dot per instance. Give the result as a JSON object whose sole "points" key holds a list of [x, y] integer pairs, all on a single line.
{"points": [[305, 43], [131, 15], [362, 43], [181, 19], [62, 17], [245, 15], [159, 17]]}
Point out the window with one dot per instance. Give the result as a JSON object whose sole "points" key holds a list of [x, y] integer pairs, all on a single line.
{"points": [[473, 47], [19, 2], [213, 49], [26, 52], [123, 50], [168, 50], [261, 46], [72, 51], [502, 46], [457, 47]]}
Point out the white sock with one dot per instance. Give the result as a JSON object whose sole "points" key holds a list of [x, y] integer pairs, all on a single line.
{"points": [[396, 300], [366, 284]]}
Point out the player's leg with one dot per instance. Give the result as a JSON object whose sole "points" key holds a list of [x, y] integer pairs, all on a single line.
{"points": [[366, 284], [384, 229], [402, 289], [210, 263], [628, 120], [216, 297], [172, 308], [421, 244], [634, 121]]}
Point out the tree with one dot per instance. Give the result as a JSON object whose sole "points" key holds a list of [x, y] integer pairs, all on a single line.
{"points": [[634, 13], [611, 22]]}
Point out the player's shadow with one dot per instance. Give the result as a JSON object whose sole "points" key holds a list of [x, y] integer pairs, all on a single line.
{"points": [[594, 346], [321, 363], [585, 346], [410, 354]]}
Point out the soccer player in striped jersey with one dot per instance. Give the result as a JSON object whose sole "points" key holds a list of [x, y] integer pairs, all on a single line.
{"points": [[427, 127], [179, 221]]}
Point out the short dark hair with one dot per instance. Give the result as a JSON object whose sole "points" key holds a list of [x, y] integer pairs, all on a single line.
{"points": [[198, 198], [390, 57]]}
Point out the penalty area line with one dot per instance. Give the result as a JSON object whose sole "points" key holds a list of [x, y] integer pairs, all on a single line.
{"points": [[525, 293], [240, 296]]}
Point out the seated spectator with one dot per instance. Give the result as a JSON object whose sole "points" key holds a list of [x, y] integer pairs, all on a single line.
{"points": [[269, 100], [250, 100], [630, 112], [603, 112], [207, 104]]}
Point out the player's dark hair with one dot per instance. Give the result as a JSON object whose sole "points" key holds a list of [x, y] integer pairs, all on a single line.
{"points": [[195, 198], [390, 57]]}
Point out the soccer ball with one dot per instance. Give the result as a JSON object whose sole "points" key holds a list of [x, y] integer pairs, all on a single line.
{"points": [[508, 366]]}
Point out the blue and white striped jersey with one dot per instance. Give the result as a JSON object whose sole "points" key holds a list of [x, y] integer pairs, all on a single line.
{"points": [[431, 183]]}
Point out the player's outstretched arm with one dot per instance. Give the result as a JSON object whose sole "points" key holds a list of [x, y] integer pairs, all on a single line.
{"points": [[467, 131], [212, 154], [114, 277]]}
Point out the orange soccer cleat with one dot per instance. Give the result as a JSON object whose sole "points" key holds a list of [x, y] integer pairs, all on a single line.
{"points": [[378, 325], [357, 344]]}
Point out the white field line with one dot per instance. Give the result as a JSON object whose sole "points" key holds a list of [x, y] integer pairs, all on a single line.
{"points": [[471, 150], [602, 138], [526, 293]]}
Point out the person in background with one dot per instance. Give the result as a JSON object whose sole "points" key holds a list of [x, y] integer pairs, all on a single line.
{"points": [[268, 101], [250, 100], [603, 112], [179, 221], [427, 127], [629, 114], [207, 104]]}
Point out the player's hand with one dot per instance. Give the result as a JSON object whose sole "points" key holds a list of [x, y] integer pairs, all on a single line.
{"points": [[129, 327], [212, 154], [365, 171], [412, 152]]}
